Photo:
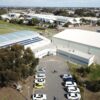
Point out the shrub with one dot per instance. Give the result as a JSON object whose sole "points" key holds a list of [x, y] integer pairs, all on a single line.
{"points": [[83, 71], [93, 86], [78, 80], [67, 24]]}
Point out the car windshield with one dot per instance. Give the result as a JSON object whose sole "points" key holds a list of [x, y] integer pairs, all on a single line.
{"points": [[40, 80], [73, 95], [40, 75], [38, 95], [38, 84]]}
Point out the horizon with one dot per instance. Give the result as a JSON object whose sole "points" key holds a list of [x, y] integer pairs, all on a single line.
{"points": [[50, 3]]}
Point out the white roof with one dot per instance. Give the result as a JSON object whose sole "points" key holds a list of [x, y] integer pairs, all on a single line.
{"points": [[80, 36]]}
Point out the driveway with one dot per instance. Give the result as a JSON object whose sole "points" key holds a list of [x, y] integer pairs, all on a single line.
{"points": [[53, 85]]}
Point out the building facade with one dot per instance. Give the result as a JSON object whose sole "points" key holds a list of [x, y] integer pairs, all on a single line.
{"points": [[77, 40]]}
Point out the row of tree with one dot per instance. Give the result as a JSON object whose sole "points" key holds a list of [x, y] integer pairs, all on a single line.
{"points": [[85, 13], [16, 63]]}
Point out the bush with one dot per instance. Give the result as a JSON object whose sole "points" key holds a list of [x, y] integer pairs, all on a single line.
{"points": [[98, 23], [93, 86], [78, 80], [83, 71], [52, 26], [66, 25], [0, 17]]}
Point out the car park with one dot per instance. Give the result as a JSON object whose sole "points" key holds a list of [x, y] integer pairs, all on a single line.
{"points": [[70, 83], [39, 97], [73, 89], [39, 81], [40, 75], [73, 96]]}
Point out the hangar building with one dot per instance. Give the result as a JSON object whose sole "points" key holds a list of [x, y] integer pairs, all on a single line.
{"points": [[79, 45]]}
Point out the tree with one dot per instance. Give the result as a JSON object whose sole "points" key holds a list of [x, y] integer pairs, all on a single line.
{"points": [[33, 21], [98, 22], [20, 21], [0, 17], [16, 63], [67, 24], [61, 12]]}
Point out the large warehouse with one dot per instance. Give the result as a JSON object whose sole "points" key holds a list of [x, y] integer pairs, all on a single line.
{"points": [[40, 45], [79, 45]]}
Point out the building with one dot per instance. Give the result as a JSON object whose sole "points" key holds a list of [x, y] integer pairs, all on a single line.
{"points": [[40, 45], [10, 16], [61, 20], [78, 45]]}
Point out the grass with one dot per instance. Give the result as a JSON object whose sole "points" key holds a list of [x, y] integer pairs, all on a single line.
{"points": [[6, 27], [95, 73], [14, 27]]}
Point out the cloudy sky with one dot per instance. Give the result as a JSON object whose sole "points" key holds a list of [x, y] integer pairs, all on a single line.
{"points": [[51, 3]]}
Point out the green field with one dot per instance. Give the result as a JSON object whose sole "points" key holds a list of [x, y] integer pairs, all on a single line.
{"points": [[6, 27]]}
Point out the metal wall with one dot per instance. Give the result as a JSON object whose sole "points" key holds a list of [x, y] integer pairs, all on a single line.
{"points": [[77, 46]]}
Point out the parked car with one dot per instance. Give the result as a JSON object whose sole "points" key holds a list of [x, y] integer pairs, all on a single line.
{"points": [[41, 70], [70, 83], [39, 85], [40, 80], [40, 75], [73, 96], [39, 97], [73, 89], [67, 77]]}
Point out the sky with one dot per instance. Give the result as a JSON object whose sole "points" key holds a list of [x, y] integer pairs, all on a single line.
{"points": [[51, 3]]}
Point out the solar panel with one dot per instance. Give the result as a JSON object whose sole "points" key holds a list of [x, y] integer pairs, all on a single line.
{"points": [[15, 36], [26, 42]]}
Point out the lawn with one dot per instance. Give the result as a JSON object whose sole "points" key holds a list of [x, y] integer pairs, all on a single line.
{"points": [[6, 27]]}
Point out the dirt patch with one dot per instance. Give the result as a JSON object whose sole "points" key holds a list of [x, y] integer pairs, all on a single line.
{"points": [[88, 95], [8, 93]]}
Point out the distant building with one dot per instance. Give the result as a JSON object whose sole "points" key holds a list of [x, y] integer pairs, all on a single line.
{"points": [[78, 45], [10, 16]]}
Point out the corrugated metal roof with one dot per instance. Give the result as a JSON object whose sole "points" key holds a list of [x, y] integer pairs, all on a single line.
{"points": [[16, 36], [89, 38]]}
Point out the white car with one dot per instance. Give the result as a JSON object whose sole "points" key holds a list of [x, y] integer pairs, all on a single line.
{"points": [[40, 81], [40, 75], [70, 83], [73, 89], [41, 70], [39, 97], [73, 96]]}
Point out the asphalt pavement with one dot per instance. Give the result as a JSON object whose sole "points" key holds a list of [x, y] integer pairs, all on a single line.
{"points": [[53, 86]]}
